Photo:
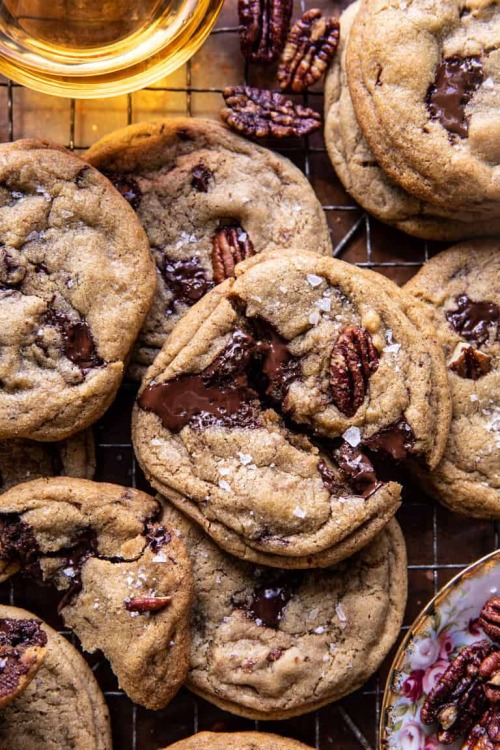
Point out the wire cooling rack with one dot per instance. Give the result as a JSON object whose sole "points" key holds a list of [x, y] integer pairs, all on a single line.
{"points": [[439, 543]]}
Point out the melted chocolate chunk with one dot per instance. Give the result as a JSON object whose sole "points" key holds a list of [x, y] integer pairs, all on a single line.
{"points": [[267, 605], [396, 440], [186, 279], [218, 396], [84, 548], [18, 544], [358, 470], [456, 80], [21, 632], [78, 344], [278, 365], [16, 636], [474, 321], [201, 178], [157, 536], [330, 480], [128, 187]]}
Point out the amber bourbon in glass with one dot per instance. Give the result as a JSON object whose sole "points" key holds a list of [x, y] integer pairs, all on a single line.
{"points": [[96, 48]]}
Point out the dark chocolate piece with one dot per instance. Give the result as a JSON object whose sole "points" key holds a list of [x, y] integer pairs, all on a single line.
{"points": [[186, 279], [267, 605], [157, 536], [474, 321], [128, 187], [77, 341], [16, 637], [18, 543], [456, 80], [278, 366], [219, 395], [201, 178], [396, 440], [358, 470]]}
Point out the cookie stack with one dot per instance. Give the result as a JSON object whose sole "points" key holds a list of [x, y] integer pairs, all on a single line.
{"points": [[411, 115]]}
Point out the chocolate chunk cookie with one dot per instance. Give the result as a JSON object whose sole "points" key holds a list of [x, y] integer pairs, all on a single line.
{"points": [[461, 291], [273, 644], [237, 741], [125, 576], [76, 282], [24, 460], [207, 200], [425, 82], [62, 707], [362, 175], [263, 414]]}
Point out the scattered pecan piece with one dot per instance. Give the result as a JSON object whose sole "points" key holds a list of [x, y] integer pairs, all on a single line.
{"points": [[261, 114], [486, 734], [147, 603], [309, 49], [353, 359], [458, 699], [490, 672], [469, 362], [231, 245], [264, 26], [489, 619], [275, 654]]}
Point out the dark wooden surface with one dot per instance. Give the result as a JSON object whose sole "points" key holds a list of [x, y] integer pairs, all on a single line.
{"points": [[439, 543]]}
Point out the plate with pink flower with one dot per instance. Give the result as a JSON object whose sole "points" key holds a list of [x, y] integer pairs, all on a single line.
{"points": [[446, 625]]}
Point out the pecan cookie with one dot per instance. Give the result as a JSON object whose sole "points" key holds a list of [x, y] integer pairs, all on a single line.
{"points": [[207, 200], [237, 741], [76, 281], [24, 460], [62, 707], [261, 416], [364, 178], [272, 643], [125, 577], [424, 77], [460, 289]]}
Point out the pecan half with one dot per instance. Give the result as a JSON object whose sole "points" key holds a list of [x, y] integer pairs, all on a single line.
{"points": [[309, 49], [143, 604], [353, 359], [231, 245], [261, 114], [263, 28], [490, 672], [469, 362], [458, 699], [489, 619], [486, 734]]}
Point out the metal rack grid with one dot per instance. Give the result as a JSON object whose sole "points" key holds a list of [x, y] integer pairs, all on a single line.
{"points": [[431, 531]]}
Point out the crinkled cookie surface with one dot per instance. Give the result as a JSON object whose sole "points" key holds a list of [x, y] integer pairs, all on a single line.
{"points": [[207, 199]]}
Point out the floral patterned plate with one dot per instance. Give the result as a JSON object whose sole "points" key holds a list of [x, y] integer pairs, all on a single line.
{"points": [[444, 627]]}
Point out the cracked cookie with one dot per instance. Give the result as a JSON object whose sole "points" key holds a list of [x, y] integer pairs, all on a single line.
{"points": [[237, 741], [460, 289], [125, 577], [24, 460], [76, 282], [62, 707], [363, 177], [424, 77], [263, 415], [273, 643], [207, 199]]}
